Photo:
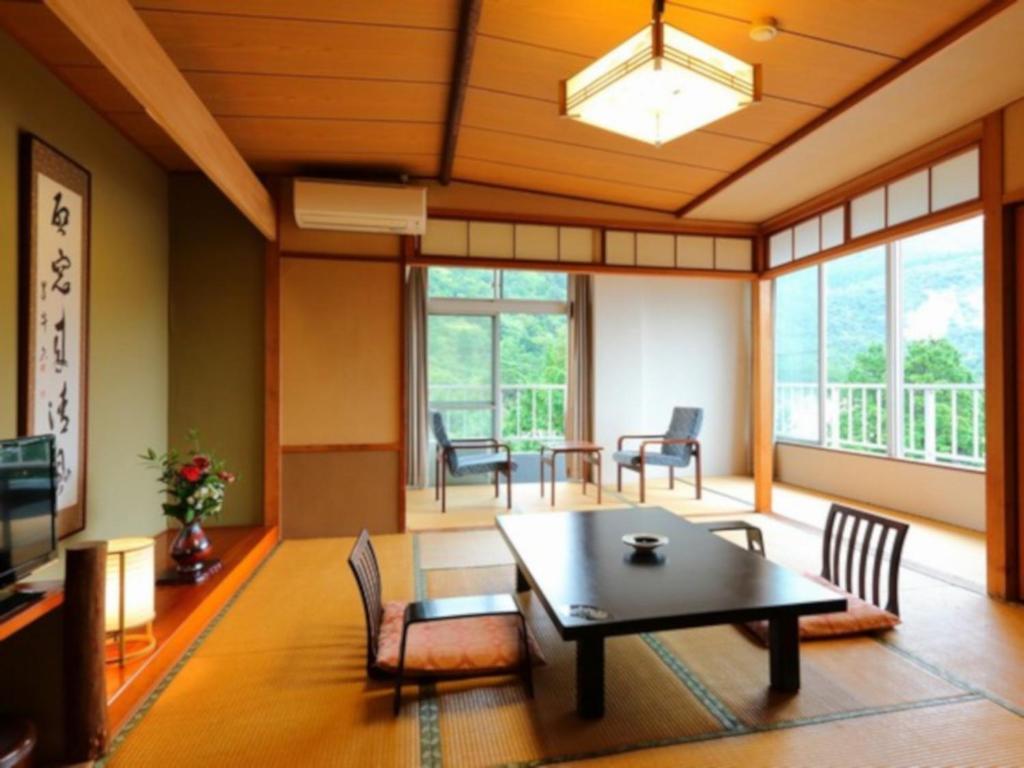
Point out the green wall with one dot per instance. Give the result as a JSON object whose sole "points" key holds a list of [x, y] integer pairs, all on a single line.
{"points": [[128, 339], [216, 350]]}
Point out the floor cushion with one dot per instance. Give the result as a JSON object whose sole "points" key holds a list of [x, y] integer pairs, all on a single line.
{"points": [[860, 617], [473, 646]]}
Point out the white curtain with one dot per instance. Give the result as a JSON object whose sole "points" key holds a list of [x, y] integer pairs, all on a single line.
{"points": [[579, 407]]}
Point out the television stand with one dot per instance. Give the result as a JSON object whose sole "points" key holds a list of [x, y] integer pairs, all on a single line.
{"points": [[12, 602]]}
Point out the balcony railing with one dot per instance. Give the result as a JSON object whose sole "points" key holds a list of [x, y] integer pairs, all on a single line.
{"points": [[942, 423], [529, 412]]}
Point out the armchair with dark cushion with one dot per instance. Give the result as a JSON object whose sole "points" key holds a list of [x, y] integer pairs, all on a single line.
{"points": [[445, 638], [678, 445], [448, 457]]}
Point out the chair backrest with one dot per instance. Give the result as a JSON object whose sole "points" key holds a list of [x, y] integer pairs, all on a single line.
{"points": [[685, 424], [363, 562], [441, 435], [861, 537]]}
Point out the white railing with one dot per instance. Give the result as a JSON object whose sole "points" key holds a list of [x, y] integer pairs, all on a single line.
{"points": [[943, 423], [527, 411], [533, 411]]}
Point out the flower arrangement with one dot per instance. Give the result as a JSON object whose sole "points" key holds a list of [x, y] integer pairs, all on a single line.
{"points": [[194, 482]]}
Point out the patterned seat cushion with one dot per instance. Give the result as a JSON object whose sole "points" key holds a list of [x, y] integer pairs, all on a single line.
{"points": [[469, 646], [477, 463], [860, 617], [653, 458]]}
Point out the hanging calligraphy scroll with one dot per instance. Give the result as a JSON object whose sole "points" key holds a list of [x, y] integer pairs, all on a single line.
{"points": [[54, 311]]}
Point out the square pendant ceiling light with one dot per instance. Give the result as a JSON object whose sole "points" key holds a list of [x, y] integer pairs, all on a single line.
{"points": [[658, 85]]}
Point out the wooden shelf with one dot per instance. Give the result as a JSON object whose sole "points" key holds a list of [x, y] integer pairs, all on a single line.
{"points": [[53, 598], [182, 612]]}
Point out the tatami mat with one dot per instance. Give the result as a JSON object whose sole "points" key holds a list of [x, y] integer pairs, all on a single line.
{"points": [[842, 675], [489, 725], [463, 549], [975, 734], [281, 681]]}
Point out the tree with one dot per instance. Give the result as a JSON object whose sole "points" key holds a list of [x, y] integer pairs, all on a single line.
{"points": [[925, 361]]}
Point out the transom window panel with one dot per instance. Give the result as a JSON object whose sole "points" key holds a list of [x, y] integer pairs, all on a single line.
{"points": [[508, 240], [944, 184], [797, 359], [898, 332], [811, 236]]}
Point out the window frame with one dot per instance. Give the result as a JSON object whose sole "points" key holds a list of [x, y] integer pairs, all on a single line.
{"points": [[494, 308], [895, 347]]}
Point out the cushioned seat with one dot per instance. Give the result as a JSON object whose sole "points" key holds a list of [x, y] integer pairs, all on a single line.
{"points": [[860, 617], [451, 456], [475, 646], [651, 457], [673, 449], [477, 463]]}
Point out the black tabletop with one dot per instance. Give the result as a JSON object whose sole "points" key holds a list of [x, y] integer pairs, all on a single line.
{"points": [[697, 579]]}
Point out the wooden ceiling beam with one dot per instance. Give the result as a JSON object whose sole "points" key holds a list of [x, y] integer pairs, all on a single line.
{"points": [[116, 35], [469, 19], [919, 56]]}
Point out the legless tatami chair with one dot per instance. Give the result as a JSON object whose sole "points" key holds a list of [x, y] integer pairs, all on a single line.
{"points": [[678, 445], [439, 639]]}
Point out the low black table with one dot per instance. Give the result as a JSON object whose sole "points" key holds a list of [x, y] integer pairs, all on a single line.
{"points": [[592, 586]]}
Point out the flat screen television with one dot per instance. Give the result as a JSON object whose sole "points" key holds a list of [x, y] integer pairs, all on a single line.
{"points": [[28, 506]]}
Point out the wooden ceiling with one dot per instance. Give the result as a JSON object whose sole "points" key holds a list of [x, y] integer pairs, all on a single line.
{"points": [[363, 85]]}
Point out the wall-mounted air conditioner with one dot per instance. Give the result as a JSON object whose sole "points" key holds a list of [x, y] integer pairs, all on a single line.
{"points": [[351, 207]]}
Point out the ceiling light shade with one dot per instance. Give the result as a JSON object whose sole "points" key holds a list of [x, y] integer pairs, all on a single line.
{"points": [[658, 85]]}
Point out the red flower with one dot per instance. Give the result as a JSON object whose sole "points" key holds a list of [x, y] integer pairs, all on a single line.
{"points": [[201, 462], [191, 473], [227, 477]]}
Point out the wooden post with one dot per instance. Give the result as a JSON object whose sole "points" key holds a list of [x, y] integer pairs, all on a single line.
{"points": [[762, 429], [1001, 426], [85, 705], [272, 386]]}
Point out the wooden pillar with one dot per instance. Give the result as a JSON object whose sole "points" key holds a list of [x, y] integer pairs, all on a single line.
{"points": [[408, 252], [1001, 337], [85, 690], [1015, 244], [763, 411], [272, 386]]}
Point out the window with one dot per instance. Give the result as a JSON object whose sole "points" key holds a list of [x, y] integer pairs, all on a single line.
{"points": [[460, 283], [898, 331], [943, 352], [796, 355], [497, 349], [856, 352]]}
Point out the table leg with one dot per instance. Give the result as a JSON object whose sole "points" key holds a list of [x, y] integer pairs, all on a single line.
{"points": [[590, 677], [542, 471], [597, 458], [784, 650], [522, 585], [554, 472]]}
